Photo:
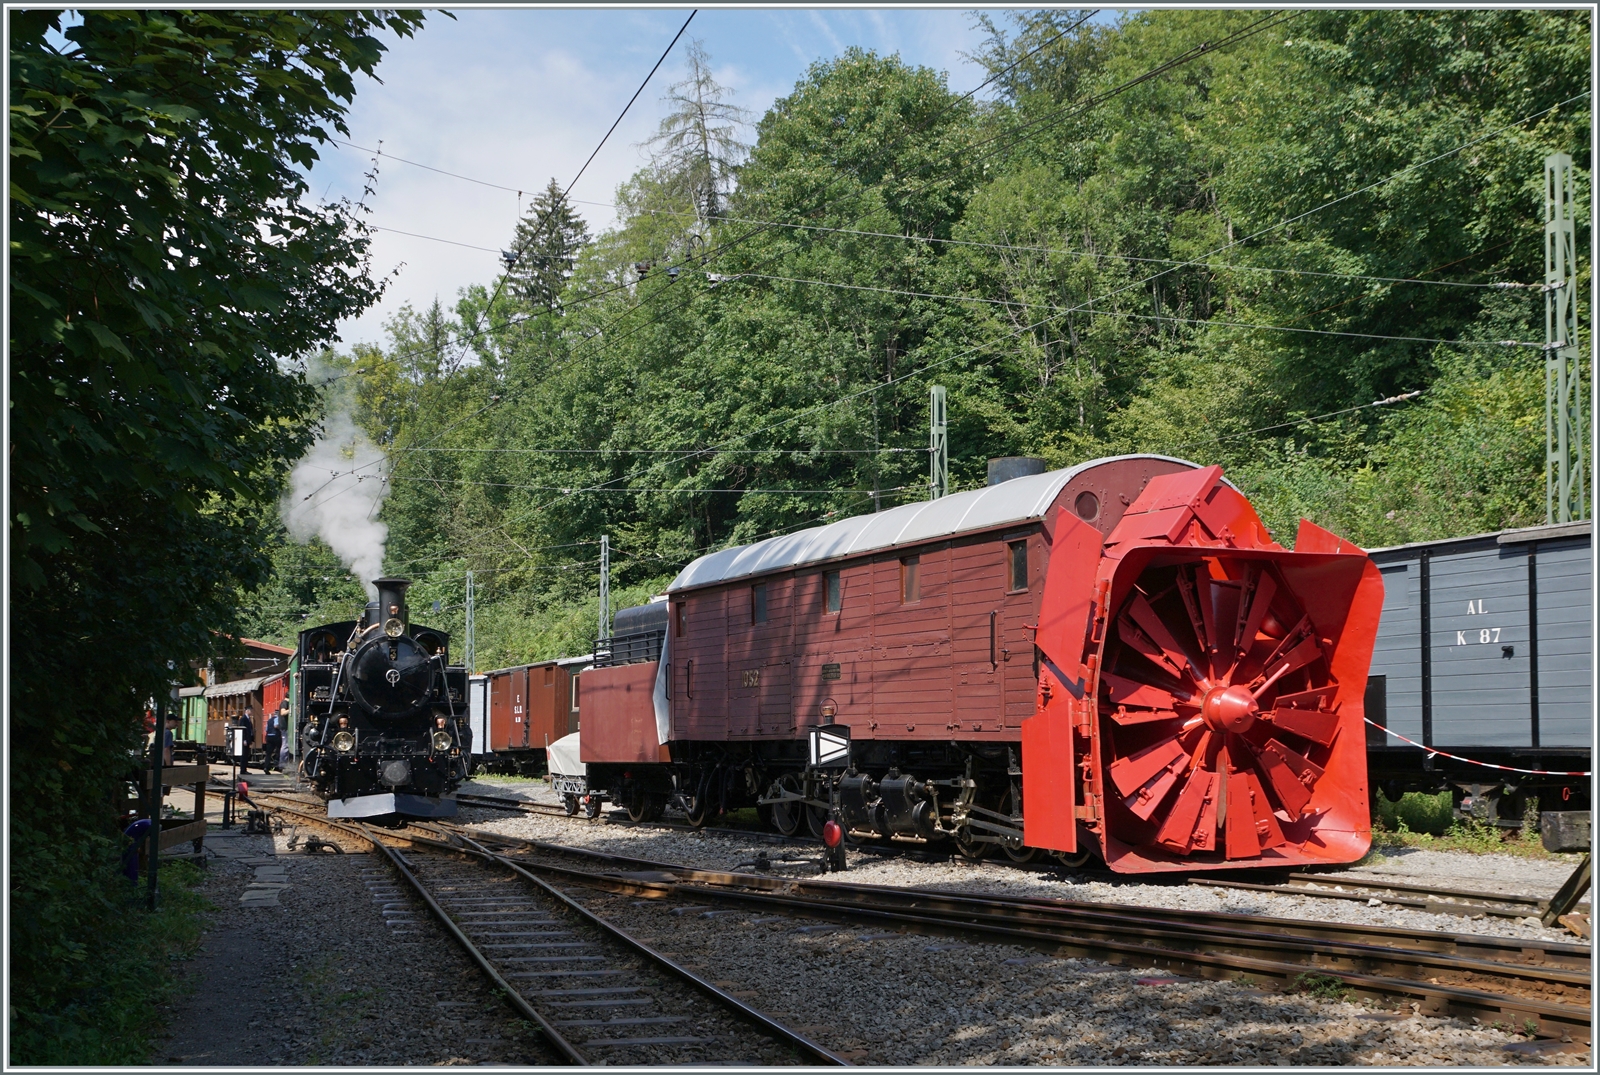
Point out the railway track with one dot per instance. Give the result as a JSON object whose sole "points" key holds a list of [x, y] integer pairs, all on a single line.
{"points": [[1465, 903], [1494, 979], [597, 994]]}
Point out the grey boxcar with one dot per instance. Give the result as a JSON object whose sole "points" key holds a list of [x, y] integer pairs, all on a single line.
{"points": [[1483, 651]]}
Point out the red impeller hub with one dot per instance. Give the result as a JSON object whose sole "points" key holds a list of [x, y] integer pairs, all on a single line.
{"points": [[1220, 722]]}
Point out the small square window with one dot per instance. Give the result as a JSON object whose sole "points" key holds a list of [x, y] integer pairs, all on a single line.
{"points": [[678, 617], [910, 583], [575, 692], [1019, 565], [758, 603], [831, 592]]}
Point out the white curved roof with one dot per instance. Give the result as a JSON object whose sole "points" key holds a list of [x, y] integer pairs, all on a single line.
{"points": [[1018, 500]]}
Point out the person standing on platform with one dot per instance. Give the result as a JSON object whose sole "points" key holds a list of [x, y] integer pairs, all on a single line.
{"points": [[248, 723], [274, 740]]}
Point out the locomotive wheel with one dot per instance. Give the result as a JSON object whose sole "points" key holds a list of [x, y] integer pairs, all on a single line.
{"points": [[971, 849], [1020, 854], [786, 816], [591, 808], [570, 804], [697, 809], [816, 817], [1072, 862], [642, 806]]}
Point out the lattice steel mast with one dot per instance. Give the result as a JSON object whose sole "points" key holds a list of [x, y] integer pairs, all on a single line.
{"points": [[1564, 427]]}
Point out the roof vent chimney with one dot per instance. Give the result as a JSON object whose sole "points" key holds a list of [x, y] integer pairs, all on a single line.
{"points": [[1006, 467]]}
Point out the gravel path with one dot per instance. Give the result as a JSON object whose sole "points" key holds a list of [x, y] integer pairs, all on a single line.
{"points": [[719, 851], [299, 966]]}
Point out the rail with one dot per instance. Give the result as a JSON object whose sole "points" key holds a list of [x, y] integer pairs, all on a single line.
{"points": [[460, 926], [1486, 977]]}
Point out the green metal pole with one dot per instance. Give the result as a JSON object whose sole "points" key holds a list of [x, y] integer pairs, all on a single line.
{"points": [[154, 798]]}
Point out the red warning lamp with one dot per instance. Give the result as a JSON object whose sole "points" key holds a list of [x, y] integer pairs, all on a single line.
{"points": [[832, 833]]}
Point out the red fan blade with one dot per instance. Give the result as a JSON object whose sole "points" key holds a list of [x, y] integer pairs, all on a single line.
{"points": [[1290, 775], [1303, 654], [1300, 630], [1224, 602], [1151, 624], [1131, 773], [1191, 604], [1179, 832], [1140, 643], [1268, 832], [1145, 799], [1239, 828], [1315, 698], [1141, 716], [1126, 691], [1318, 725], [1259, 589]]}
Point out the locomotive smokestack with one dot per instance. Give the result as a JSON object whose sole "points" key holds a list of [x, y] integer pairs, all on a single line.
{"points": [[392, 610]]}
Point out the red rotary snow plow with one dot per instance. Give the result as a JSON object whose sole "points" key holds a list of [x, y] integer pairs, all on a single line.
{"points": [[1200, 693]]}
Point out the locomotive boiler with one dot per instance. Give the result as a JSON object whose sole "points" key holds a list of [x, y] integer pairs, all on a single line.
{"points": [[386, 712], [1114, 659]]}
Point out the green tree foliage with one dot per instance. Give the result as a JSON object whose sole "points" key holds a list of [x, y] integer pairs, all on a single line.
{"points": [[166, 268], [1186, 232]]}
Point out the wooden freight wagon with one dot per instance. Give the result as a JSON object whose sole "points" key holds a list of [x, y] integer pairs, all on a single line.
{"points": [[226, 702], [903, 625], [530, 706], [1484, 653]]}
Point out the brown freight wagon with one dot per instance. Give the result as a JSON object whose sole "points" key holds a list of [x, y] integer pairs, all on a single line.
{"points": [[897, 671], [530, 707], [912, 627]]}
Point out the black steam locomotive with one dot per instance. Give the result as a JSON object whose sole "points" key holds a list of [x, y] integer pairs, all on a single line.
{"points": [[385, 713]]}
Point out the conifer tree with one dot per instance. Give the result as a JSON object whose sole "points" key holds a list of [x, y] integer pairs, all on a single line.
{"points": [[697, 148], [546, 247]]}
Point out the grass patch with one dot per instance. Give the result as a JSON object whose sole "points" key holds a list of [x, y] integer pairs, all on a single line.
{"points": [[1428, 821], [1321, 986], [107, 1013]]}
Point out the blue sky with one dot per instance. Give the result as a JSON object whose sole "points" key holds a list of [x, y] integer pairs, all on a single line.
{"points": [[515, 97]]}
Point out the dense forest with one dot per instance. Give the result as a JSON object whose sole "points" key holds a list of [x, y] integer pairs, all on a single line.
{"points": [[1219, 235]]}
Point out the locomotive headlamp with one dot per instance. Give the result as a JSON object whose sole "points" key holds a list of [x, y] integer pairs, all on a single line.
{"points": [[441, 742], [393, 627], [344, 742]]}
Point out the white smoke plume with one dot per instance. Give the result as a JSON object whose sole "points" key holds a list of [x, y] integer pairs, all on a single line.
{"points": [[335, 492]]}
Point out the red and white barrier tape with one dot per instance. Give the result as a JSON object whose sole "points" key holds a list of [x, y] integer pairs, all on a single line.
{"points": [[1456, 757]]}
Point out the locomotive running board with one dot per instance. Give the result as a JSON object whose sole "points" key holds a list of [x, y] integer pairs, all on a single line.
{"points": [[391, 803]]}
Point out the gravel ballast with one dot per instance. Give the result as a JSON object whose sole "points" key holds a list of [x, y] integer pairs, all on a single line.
{"points": [[722, 851], [886, 998]]}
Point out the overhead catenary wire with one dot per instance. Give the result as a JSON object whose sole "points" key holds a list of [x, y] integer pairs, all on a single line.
{"points": [[1403, 397], [1487, 285], [877, 387], [1092, 310]]}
